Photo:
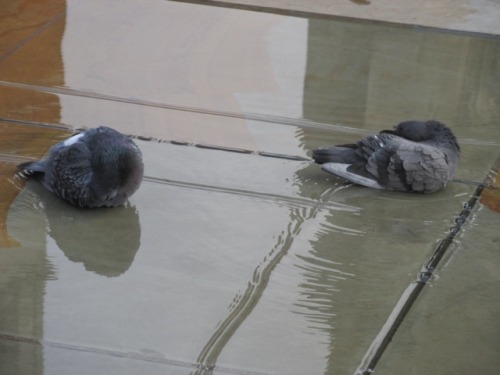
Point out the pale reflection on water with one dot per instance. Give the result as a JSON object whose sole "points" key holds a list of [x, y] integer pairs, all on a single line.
{"points": [[240, 261]]}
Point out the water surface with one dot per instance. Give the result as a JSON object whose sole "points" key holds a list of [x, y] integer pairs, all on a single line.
{"points": [[241, 257]]}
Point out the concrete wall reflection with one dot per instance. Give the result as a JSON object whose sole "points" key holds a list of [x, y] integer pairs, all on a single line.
{"points": [[25, 269], [374, 76]]}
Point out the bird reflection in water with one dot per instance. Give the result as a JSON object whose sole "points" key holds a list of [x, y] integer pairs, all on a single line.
{"points": [[104, 240]]}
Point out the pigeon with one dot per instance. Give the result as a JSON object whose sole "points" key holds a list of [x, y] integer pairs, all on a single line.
{"points": [[99, 167], [417, 156]]}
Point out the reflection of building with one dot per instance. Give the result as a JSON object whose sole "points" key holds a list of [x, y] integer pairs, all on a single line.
{"points": [[23, 60], [22, 280], [24, 273], [370, 75], [173, 74]]}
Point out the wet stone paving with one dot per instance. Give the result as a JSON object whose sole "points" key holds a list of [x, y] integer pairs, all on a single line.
{"points": [[238, 254]]}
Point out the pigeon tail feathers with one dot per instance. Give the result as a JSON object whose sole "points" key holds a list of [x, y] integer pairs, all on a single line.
{"points": [[342, 170]]}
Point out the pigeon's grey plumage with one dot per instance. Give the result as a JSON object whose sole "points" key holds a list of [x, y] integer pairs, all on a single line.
{"points": [[99, 167], [417, 156]]}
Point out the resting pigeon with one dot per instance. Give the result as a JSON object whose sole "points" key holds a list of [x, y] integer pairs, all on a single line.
{"points": [[99, 167], [417, 156]]}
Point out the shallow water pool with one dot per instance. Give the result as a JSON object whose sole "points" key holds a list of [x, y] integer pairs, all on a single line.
{"points": [[238, 255]]}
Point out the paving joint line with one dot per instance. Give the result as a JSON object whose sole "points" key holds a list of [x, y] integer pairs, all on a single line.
{"points": [[252, 116], [133, 355], [412, 292]]}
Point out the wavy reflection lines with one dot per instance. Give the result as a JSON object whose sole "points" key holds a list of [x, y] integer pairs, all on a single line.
{"points": [[243, 303], [326, 276], [321, 276], [320, 283], [328, 227]]}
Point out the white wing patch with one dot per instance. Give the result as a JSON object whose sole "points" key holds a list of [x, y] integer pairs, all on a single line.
{"points": [[341, 170], [72, 140]]}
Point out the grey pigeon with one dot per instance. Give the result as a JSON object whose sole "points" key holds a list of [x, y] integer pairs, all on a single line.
{"points": [[95, 168], [417, 156]]}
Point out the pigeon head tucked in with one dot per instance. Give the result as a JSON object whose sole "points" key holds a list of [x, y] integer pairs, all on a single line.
{"points": [[417, 156], [99, 167]]}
